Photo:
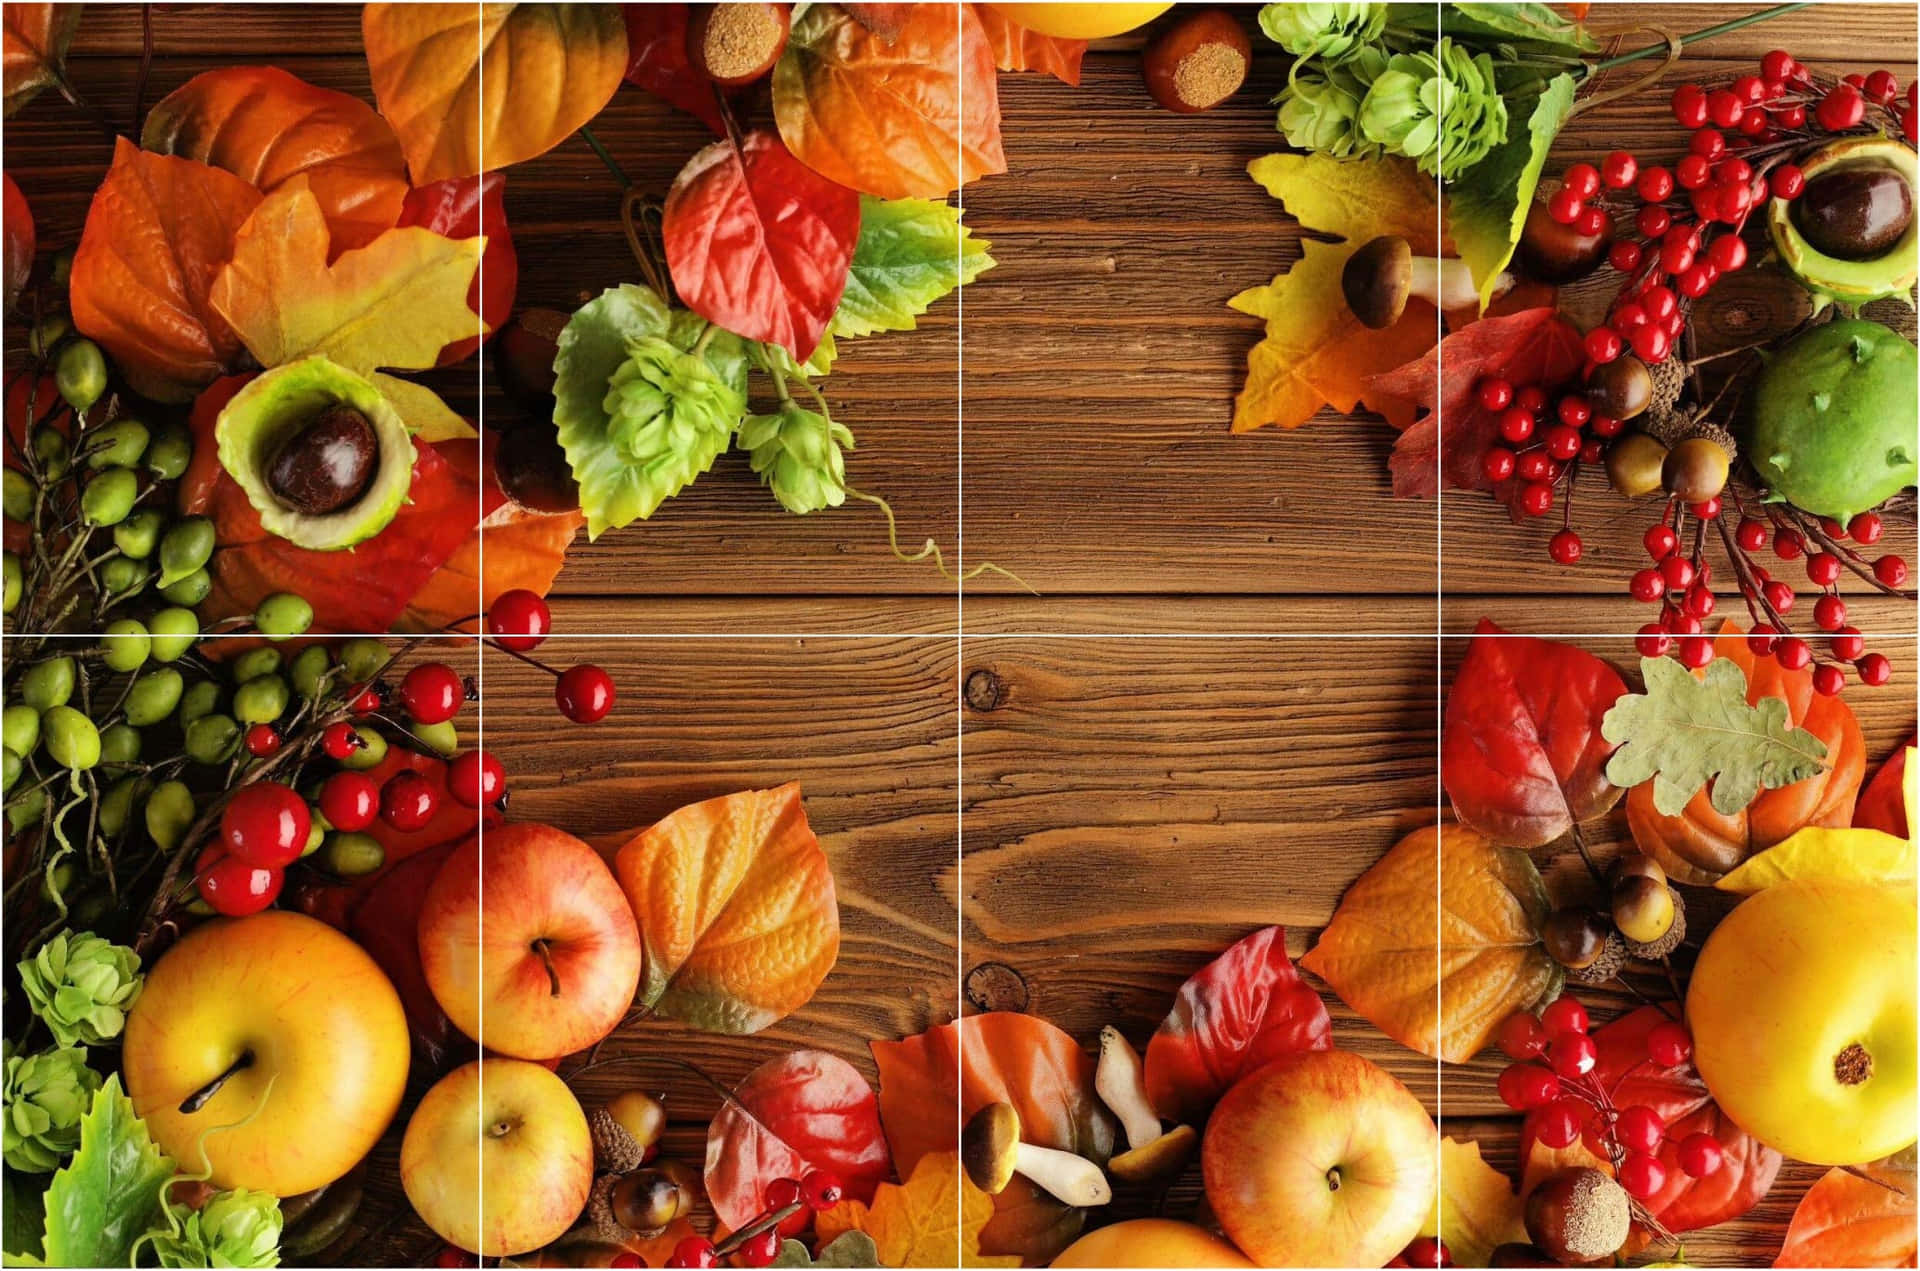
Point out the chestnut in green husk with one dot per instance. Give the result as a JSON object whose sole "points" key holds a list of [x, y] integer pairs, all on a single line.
{"points": [[1850, 236], [326, 464], [1854, 213]]}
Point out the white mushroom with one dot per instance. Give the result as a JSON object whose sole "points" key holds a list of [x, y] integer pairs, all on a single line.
{"points": [[1378, 279], [1120, 1080], [992, 1153]]}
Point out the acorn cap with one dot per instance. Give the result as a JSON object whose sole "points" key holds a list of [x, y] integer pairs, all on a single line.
{"points": [[989, 1147], [1654, 950], [1613, 956], [615, 1150], [1377, 280], [1162, 1156]]}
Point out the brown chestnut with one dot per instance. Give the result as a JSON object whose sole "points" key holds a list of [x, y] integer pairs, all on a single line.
{"points": [[1198, 62], [523, 356], [1519, 1255], [1556, 253], [1578, 1216], [326, 464], [533, 469], [1855, 212], [1621, 388], [1574, 938], [736, 44]]}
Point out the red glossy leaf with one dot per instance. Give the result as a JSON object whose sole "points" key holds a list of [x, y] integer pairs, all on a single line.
{"points": [[1534, 346], [657, 61], [19, 240], [1521, 753], [1845, 1220], [363, 589], [1245, 1008], [1883, 800], [805, 1110], [759, 243], [465, 207], [1010, 1058], [1015, 48]]}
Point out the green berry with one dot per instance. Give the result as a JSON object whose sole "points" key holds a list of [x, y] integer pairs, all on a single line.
{"points": [[261, 700], [125, 644], [373, 749], [442, 738], [71, 738], [117, 805], [11, 765], [48, 332], [170, 453], [190, 589], [317, 828], [109, 497], [62, 268], [186, 546], [27, 810], [48, 684], [212, 739], [351, 855], [202, 699], [18, 489], [120, 744], [20, 729], [169, 813], [283, 614], [362, 659], [50, 452], [122, 576], [137, 536], [254, 663], [153, 697], [308, 666], [15, 583], [80, 373], [119, 444], [173, 631]]}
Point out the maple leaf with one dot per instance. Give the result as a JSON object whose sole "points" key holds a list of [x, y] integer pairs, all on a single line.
{"points": [[1476, 1210], [913, 1224], [395, 302], [1316, 352]]}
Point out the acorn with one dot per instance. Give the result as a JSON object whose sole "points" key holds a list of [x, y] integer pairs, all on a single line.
{"points": [[1654, 950], [1578, 1216], [1612, 957], [1634, 865], [1633, 464], [1575, 938], [598, 1220], [615, 1150], [1696, 469]]}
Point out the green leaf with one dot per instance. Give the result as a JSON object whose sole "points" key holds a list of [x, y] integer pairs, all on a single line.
{"points": [[108, 1195], [910, 253], [22, 1217], [849, 1249], [1684, 732], [1535, 25], [1487, 205]]}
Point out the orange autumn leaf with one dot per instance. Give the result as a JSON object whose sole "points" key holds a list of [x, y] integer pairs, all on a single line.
{"points": [[1015, 48], [158, 233], [266, 126], [33, 44], [736, 907], [558, 64], [933, 1219], [912, 114], [521, 550], [1846, 1220]]}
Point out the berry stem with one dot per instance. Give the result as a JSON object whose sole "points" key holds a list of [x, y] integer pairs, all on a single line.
{"points": [[1706, 33]]}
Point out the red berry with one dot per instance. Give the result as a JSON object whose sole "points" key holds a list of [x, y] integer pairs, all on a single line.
{"points": [[1754, 120], [1603, 343], [1618, 170], [1565, 547], [1651, 344], [1660, 540], [1677, 570], [1536, 498], [350, 801], [431, 693], [408, 801], [1605, 426], [1592, 221], [1564, 1016], [452, 1257], [1562, 442], [1654, 184], [1565, 206], [1708, 143], [1689, 105], [1694, 282], [1750, 89], [1792, 653], [475, 779], [1874, 670], [1535, 465], [1777, 65], [694, 1251], [1699, 1155], [1653, 220], [1779, 596], [1829, 613], [1727, 252], [519, 620], [1639, 1129], [822, 1189], [1692, 173], [339, 740], [1760, 639], [1699, 601], [1625, 257], [1573, 410], [1865, 528], [366, 701], [759, 1250], [1583, 179], [1733, 171], [1558, 1124], [1706, 509], [1669, 1044], [1642, 1175], [1794, 116], [1750, 534], [1841, 109], [1847, 643], [1724, 108], [1425, 1251], [263, 740], [1881, 88], [265, 825], [1828, 679], [1531, 398], [1494, 394], [626, 1259], [584, 693], [1592, 450], [781, 1193], [1521, 1036], [1647, 586], [1659, 302], [1516, 425], [1497, 465], [233, 887], [1652, 641], [1788, 544], [1695, 652], [1823, 569], [1890, 570]]}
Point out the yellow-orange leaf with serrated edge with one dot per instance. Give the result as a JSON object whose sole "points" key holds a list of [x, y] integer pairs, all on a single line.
{"points": [[736, 907], [931, 1220], [266, 126], [159, 232], [395, 302], [1315, 352], [1476, 1210], [546, 69], [1388, 942]]}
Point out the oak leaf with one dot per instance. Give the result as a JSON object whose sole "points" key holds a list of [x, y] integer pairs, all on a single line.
{"points": [[934, 1219]]}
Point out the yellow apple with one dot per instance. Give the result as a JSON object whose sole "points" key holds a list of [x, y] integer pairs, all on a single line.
{"points": [[307, 1031], [497, 1158], [1151, 1242], [1802, 1011], [1080, 21], [1320, 1159]]}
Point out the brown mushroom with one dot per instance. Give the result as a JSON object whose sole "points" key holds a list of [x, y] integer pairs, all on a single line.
{"points": [[1120, 1081], [991, 1152], [1378, 280]]}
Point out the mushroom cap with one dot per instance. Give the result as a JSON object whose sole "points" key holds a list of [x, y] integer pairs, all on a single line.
{"points": [[1160, 1157], [1377, 280], [989, 1146]]}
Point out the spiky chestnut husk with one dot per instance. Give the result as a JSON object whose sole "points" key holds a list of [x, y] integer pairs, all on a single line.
{"points": [[1613, 956], [1654, 950], [615, 1150]]}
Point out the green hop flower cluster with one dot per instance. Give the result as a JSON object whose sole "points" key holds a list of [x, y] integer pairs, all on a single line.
{"points": [[1329, 31], [82, 986], [1442, 110], [1320, 108], [46, 1095], [799, 455], [233, 1229], [671, 414]]}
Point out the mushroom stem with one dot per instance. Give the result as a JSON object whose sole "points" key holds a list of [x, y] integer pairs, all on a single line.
{"points": [[1447, 283], [1070, 1178], [1120, 1081]]}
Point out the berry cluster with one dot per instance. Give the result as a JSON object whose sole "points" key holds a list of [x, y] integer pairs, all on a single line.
{"points": [[790, 1207], [1551, 1079], [1543, 449]]}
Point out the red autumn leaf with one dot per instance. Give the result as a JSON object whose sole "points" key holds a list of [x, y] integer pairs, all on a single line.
{"points": [[657, 61], [1009, 1058], [911, 115], [1845, 1220], [803, 1111], [1245, 1008], [363, 589], [158, 231], [19, 240], [386, 923], [1445, 447], [33, 44], [466, 207], [759, 243], [1681, 1100], [1521, 753], [1883, 800], [1015, 48], [267, 127]]}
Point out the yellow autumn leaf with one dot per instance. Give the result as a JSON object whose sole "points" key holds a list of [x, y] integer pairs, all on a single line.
{"points": [[913, 1224], [1316, 352], [427, 417], [395, 302], [1861, 855], [1477, 1210]]}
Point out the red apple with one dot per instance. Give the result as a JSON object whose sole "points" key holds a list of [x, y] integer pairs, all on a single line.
{"points": [[528, 942], [1320, 1159]]}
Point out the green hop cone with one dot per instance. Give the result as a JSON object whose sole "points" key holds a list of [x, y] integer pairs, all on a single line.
{"points": [[46, 1095], [1329, 31], [1442, 109], [233, 1229], [671, 414], [82, 987], [799, 456], [1320, 108]]}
